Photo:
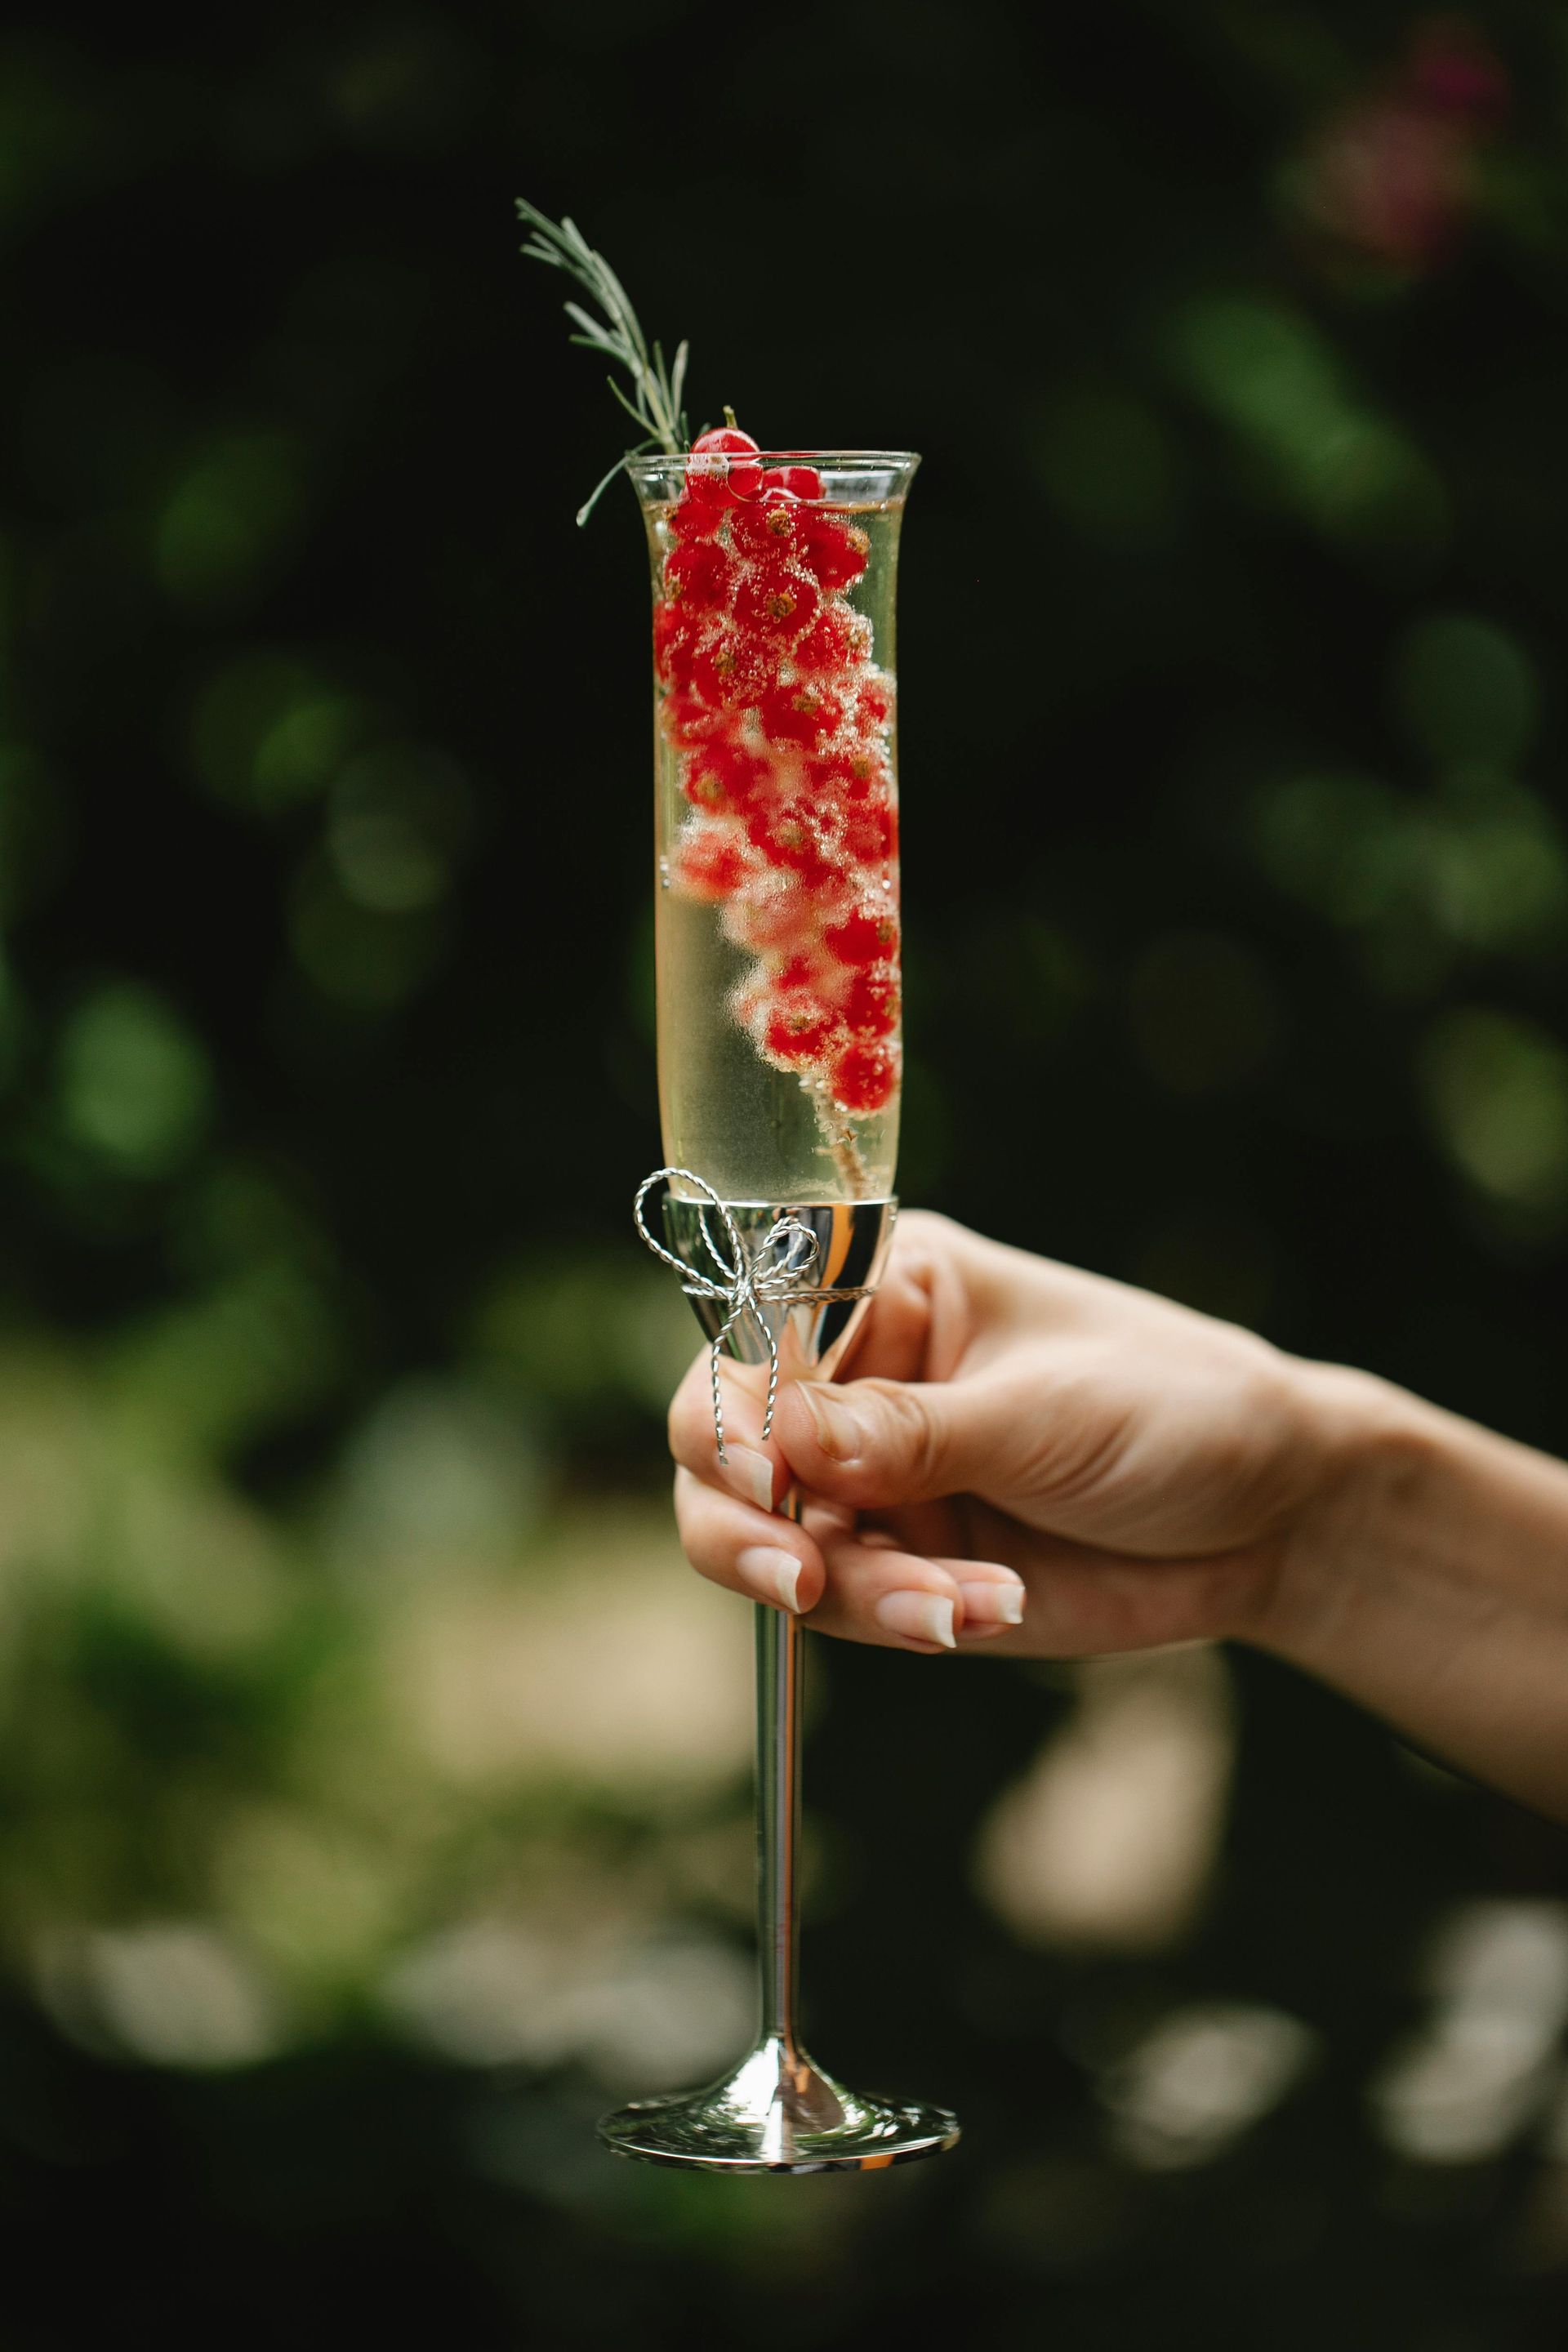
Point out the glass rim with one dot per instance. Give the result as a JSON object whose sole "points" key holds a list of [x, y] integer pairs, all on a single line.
{"points": [[838, 460]]}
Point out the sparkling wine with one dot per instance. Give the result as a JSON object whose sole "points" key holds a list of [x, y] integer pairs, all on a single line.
{"points": [[777, 927]]}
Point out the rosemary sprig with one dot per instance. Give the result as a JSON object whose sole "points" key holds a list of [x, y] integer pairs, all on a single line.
{"points": [[655, 401]]}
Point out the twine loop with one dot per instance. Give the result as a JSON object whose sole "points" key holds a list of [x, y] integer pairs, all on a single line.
{"points": [[743, 1282]]}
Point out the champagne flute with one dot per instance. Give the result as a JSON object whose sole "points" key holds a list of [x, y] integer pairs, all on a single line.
{"points": [[779, 1059]]}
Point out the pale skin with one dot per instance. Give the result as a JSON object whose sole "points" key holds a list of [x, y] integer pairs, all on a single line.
{"points": [[1031, 1461]]}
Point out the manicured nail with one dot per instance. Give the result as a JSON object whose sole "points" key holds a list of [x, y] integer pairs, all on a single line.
{"points": [[772, 1575], [838, 1433], [919, 1616], [749, 1474], [993, 1604]]}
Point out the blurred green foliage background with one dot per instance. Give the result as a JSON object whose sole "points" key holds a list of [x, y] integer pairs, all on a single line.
{"points": [[373, 1800]]}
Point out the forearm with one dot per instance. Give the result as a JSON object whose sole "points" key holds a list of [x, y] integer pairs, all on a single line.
{"points": [[1430, 1583]]}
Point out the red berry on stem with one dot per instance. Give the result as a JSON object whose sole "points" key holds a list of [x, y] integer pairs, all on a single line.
{"points": [[676, 635], [725, 439], [869, 935], [836, 551], [865, 1076], [798, 1028], [871, 1002], [837, 639], [871, 833], [694, 516], [723, 776], [726, 456], [862, 775], [778, 604], [687, 719], [767, 529], [873, 701], [736, 669], [801, 481], [801, 713], [700, 575], [804, 970], [710, 862], [868, 774], [790, 836]]}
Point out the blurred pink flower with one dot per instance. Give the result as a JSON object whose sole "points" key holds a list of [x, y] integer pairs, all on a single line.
{"points": [[1391, 175]]}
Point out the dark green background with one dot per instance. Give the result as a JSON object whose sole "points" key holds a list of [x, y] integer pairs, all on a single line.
{"points": [[1233, 600]]}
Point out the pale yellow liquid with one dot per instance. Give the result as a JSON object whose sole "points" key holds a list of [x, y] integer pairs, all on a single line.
{"points": [[755, 1132]]}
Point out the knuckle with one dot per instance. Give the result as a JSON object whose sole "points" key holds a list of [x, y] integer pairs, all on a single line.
{"points": [[916, 1451], [921, 1238]]}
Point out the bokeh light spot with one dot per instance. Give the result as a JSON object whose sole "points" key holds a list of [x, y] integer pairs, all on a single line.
{"points": [[133, 1084], [1497, 1088], [1464, 690], [398, 819], [268, 731], [1267, 375], [229, 519]]}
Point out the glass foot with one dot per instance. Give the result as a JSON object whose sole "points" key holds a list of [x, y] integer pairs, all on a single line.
{"points": [[777, 2113]]}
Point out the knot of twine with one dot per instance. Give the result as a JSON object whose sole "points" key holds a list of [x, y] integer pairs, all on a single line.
{"points": [[742, 1282]]}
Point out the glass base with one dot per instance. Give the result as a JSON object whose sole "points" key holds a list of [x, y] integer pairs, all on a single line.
{"points": [[777, 2113]]}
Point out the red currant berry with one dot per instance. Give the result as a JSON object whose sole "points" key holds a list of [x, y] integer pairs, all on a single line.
{"points": [[836, 551], [871, 833], [700, 575], [862, 775], [869, 935], [837, 639], [804, 970], [799, 1029], [688, 721], [706, 487], [676, 638], [789, 836], [767, 529], [726, 440], [872, 1005], [735, 669], [801, 713], [710, 862], [865, 1076], [732, 451], [778, 604], [800, 481], [723, 777], [695, 517], [873, 702]]}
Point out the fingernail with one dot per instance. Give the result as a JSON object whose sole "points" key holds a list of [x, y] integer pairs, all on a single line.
{"points": [[749, 1474], [772, 1575], [919, 1616], [838, 1433], [993, 1604]]}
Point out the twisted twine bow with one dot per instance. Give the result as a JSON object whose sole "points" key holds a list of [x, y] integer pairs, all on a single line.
{"points": [[743, 1283]]}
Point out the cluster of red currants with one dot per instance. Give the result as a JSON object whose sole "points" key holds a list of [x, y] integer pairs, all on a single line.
{"points": [[782, 723]]}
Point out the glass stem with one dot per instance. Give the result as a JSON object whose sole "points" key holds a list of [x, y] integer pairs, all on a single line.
{"points": [[781, 1649]]}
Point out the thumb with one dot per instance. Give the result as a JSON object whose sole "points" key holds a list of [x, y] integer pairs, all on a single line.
{"points": [[874, 1444]]}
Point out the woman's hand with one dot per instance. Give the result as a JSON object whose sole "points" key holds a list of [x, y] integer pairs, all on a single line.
{"points": [[1026, 1456], [1054, 1464]]}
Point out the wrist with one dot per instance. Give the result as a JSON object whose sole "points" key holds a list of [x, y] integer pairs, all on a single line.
{"points": [[1372, 1471], [1426, 1576]]}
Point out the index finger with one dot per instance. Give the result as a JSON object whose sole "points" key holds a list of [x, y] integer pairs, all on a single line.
{"points": [[753, 1471]]}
